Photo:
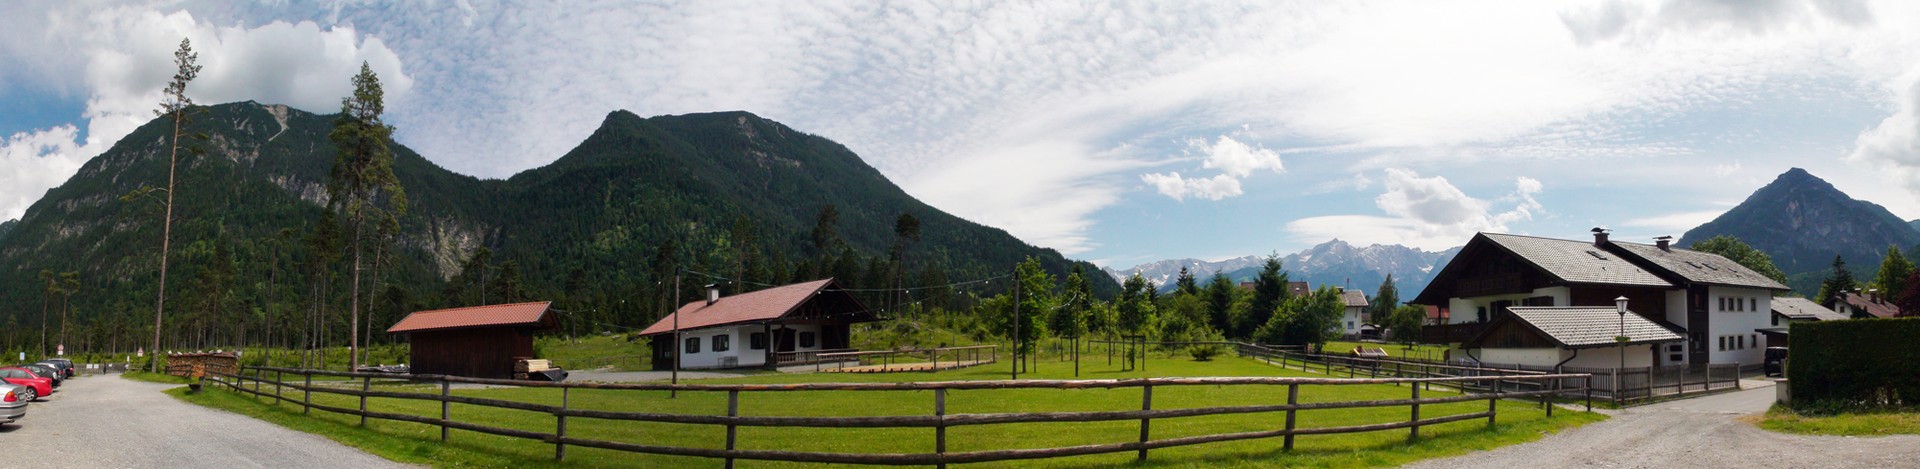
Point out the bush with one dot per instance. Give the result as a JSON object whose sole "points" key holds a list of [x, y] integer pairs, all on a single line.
{"points": [[1854, 365], [1205, 352]]}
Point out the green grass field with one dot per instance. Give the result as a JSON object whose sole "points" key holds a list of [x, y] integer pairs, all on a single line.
{"points": [[420, 444], [1424, 352], [1783, 419]]}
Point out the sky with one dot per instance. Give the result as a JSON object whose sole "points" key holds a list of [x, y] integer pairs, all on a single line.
{"points": [[1117, 132]]}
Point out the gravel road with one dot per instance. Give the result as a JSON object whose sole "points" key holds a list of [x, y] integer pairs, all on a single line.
{"points": [[106, 421], [1698, 432]]}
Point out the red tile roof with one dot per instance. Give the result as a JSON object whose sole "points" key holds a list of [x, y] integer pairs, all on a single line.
{"points": [[761, 305], [518, 314], [1871, 304]]}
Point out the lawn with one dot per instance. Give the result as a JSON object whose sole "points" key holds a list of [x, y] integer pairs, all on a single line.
{"points": [[1423, 352], [1783, 419], [416, 443]]}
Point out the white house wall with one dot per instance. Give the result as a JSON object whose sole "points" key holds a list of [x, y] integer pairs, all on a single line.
{"points": [[1520, 356], [1676, 307], [739, 347], [1738, 322], [1637, 356], [1350, 321], [1465, 310]]}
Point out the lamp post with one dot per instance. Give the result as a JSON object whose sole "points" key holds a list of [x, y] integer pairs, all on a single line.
{"points": [[1620, 306]]}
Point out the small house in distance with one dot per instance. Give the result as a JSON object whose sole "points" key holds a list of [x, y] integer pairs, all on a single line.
{"points": [[475, 341], [766, 328], [1353, 315]]}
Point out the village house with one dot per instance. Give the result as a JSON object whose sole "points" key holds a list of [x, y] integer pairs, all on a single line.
{"points": [[1714, 306], [1353, 315], [1858, 305], [765, 328], [1788, 310]]}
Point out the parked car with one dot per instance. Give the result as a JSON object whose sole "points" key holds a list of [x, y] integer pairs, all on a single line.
{"points": [[64, 365], [1776, 361], [13, 404], [17, 375], [45, 371]]}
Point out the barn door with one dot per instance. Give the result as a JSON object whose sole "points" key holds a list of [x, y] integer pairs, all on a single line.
{"points": [[783, 340]]}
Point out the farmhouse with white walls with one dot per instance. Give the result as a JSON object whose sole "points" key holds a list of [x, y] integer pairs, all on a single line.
{"points": [[765, 328], [1713, 308]]}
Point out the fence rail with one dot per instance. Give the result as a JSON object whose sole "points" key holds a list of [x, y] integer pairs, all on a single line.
{"points": [[1620, 385], [939, 421]]}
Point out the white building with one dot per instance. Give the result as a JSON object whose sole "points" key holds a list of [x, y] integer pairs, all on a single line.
{"points": [[1577, 336], [1717, 306], [765, 328], [1354, 317]]}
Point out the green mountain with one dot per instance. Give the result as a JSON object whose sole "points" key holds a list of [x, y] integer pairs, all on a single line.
{"points": [[736, 195], [1803, 221]]}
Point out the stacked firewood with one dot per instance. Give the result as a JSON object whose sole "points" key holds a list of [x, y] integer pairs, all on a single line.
{"points": [[523, 366]]}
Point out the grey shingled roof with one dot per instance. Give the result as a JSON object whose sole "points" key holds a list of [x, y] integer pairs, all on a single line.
{"points": [[1577, 261], [1588, 326], [1700, 267], [1802, 308], [1354, 298]]}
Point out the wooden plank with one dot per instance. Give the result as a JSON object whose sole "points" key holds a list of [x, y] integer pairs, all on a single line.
{"points": [[1146, 404], [1293, 399]]}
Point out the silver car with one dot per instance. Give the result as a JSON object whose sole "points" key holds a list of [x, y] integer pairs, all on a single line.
{"points": [[13, 401]]}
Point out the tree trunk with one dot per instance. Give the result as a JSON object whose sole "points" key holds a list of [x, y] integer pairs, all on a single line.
{"points": [[353, 326], [166, 237]]}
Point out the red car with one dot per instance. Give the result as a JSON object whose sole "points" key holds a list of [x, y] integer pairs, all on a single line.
{"points": [[41, 386]]}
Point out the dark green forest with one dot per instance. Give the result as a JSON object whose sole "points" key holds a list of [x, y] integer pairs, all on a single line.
{"points": [[258, 260]]}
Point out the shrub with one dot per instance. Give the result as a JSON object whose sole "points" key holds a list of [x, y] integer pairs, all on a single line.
{"points": [[1853, 365]]}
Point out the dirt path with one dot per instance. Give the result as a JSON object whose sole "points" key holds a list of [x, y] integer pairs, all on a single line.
{"points": [[106, 421], [1698, 432]]}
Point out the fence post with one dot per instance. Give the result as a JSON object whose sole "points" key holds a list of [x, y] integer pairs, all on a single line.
{"points": [[366, 384], [940, 425], [1493, 407], [1415, 433], [1615, 378], [1293, 399], [278, 379], [1589, 390], [306, 398], [257, 374], [445, 389], [733, 410], [560, 428], [1146, 403], [1548, 399]]}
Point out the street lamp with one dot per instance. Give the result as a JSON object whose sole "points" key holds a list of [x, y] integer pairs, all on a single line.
{"points": [[1620, 306]]}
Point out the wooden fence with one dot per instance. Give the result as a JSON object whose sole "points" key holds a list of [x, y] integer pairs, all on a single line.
{"points": [[938, 422], [964, 355], [1621, 386]]}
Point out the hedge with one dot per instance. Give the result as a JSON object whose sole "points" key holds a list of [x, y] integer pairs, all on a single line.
{"points": [[1855, 365]]}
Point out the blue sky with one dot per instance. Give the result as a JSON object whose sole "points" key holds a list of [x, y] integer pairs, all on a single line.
{"points": [[1118, 132]]}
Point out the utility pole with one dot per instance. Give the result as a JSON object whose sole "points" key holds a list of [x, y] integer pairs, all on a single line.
{"points": [[675, 346]]}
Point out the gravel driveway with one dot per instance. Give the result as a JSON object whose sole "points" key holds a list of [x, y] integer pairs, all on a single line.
{"points": [[106, 421], [1698, 432]]}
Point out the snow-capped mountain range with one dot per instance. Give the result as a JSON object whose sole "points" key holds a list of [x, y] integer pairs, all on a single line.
{"points": [[1335, 263]]}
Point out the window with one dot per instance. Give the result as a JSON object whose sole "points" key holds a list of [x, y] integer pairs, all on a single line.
{"points": [[1349, 325], [1776, 320], [1753, 304], [806, 339], [1480, 313], [693, 345], [1723, 303], [1723, 343], [757, 341], [1740, 342], [1756, 340], [722, 343]]}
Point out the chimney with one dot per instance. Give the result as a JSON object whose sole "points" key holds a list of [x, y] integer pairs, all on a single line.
{"points": [[713, 293], [1600, 236], [1665, 243], [1873, 294]]}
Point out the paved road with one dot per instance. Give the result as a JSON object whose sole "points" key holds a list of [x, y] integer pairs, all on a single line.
{"points": [[1698, 432], [106, 421]]}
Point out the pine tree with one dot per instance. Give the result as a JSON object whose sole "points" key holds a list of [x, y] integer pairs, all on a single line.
{"points": [[174, 105], [1185, 284], [362, 179], [1839, 282], [1220, 293], [1269, 291], [1385, 301]]}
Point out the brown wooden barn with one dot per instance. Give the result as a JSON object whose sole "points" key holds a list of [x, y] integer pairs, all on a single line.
{"points": [[475, 341]]}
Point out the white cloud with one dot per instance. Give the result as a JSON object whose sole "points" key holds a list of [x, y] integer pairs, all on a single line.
{"points": [[1674, 223], [126, 57], [1426, 212], [1235, 161], [35, 162], [1894, 143], [1220, 186]]}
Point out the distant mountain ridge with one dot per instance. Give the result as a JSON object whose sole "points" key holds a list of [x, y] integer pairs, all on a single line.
{"points": [[1336, 263], [582, 230], [1803, 221]]}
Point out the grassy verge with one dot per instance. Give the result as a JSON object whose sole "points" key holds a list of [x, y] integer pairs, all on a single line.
{"points": [[1784, 419], [415, 443]]}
